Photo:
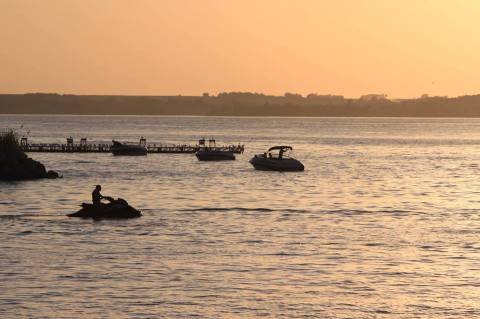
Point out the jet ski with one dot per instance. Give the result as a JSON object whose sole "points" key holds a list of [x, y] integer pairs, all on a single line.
{"points": [[276, 158], [115, 209], [119, 148]]}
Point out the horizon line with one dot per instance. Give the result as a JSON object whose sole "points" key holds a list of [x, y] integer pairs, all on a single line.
{"points": [[386, 96]]}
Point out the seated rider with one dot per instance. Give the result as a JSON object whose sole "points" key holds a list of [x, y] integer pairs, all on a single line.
{"points": [[96, 196]]}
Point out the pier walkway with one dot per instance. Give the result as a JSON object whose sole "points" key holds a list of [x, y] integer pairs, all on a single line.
{"points": [[84, 147]]}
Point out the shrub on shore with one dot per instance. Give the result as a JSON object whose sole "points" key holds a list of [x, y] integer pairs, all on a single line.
{"points": [[9, 141]]}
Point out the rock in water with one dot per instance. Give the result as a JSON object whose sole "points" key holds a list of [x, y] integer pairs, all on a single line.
{"points": [[15, 165], [52, 174]]}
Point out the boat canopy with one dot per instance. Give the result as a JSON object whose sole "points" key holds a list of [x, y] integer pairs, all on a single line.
{"points": [[284, 148]]}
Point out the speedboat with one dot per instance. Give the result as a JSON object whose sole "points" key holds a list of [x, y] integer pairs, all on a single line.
{"points": [[115, 209], [128, 149], [276, 158], [214, 155]]}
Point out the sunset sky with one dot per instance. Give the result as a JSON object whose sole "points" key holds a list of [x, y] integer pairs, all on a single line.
{"points": [[401, 48]]}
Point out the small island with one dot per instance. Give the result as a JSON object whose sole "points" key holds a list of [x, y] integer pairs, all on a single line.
{"points": [[15, 165]]}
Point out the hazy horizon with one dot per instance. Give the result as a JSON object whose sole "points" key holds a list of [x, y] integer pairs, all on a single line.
{"points": [[242, 104], [402, 49], [216, 93]]}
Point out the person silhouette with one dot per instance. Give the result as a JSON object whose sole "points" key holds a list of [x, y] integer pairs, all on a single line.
{"points": [[96, 196]]}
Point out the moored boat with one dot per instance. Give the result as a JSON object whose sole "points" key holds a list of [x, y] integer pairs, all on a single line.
{"points": [[119, 148], [277, 158], [212, 153]]}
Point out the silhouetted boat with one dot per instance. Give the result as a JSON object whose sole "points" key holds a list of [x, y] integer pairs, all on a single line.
{"points": [[116, 209], [128, 149], [275, 159], [212, 153]]}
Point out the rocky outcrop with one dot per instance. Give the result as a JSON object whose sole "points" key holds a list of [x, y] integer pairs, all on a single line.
{"points": [[15, 165]]}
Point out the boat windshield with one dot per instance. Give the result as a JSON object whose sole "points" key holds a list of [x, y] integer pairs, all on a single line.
{"points": [[279, 153]]}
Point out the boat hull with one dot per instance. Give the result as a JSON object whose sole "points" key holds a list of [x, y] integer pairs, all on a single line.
{"points": [[129, 151], [215, 156], [278, 165]]}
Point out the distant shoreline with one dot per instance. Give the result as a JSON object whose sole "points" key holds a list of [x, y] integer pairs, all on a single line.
{"points": [[243, 116], [241, 104]]}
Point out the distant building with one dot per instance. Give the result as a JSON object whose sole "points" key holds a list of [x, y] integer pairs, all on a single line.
{"points": [[324, 97], [289, 95], [373, 97]]}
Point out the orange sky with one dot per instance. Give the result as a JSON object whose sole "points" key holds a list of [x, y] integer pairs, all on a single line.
{"points": [[402, 48]]}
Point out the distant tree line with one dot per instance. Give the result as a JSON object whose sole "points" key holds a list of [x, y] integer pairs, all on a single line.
{"points": [[242, 104]]}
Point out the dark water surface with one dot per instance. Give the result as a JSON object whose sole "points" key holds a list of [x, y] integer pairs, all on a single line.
{"points": [[384, 222]]}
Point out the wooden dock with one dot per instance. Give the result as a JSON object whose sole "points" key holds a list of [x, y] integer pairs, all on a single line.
{"points": [[84, 147]]}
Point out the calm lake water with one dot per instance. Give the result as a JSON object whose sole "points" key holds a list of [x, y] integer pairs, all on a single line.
{"points": [[383, 223]]}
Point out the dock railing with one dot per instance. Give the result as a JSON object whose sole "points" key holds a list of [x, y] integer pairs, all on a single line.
{"points": [[105, 148]]}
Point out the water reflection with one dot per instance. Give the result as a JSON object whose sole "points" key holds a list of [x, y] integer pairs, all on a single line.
{"points": [[375, 227]]}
